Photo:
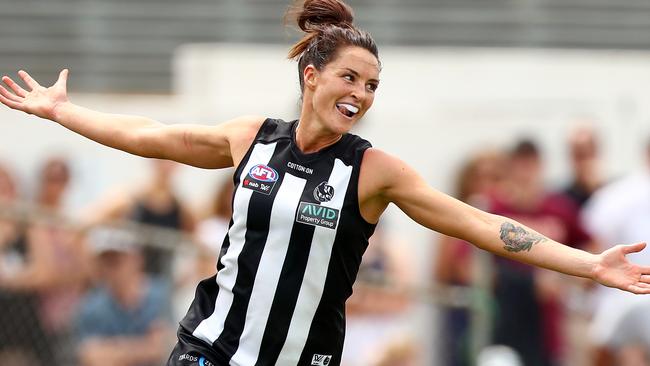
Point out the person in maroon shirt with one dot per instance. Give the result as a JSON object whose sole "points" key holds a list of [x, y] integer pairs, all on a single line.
{"points": [[529, 309]]}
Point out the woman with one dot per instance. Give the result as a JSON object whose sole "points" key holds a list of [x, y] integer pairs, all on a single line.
{"points": [[308, 195], [23, 340]]}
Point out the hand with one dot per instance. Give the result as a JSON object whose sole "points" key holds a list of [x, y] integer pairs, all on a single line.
{"points": [[39, 101], [614, 270]]}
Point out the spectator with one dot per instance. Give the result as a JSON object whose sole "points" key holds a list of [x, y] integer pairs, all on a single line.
{"points": [[56, 263], [22, 339], [585, 160], [620, 328], [377, 315], [155, 204], [125, 320], [530, 311], [476, 185], [212, 230], [195, 266]]}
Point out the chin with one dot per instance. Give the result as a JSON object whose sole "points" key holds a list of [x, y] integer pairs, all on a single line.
{"points": [[343, 126]]}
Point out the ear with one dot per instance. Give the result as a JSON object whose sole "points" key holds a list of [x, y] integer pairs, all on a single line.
{"points": [[310, 76]]}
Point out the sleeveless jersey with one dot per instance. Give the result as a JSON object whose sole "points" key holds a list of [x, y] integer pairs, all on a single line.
{"points": [[291, 255]]}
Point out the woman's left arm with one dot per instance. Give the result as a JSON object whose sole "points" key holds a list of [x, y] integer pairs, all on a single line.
{"points": [[402, 185]]}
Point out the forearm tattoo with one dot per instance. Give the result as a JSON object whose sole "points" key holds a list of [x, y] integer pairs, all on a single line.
{"points": [[517, 238]]}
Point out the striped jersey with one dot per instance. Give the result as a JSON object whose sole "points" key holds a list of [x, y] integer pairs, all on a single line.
{"points": [[291, 255]]}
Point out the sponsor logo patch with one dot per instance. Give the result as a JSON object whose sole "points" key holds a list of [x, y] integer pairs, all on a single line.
{"points": [[188, 357], [317, 215], [321, 360], [323, 192], [300, 168], [261, 178], [200, 360], [204, 362]]}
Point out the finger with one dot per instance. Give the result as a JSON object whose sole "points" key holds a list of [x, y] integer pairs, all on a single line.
{"points": [[10, 103], [638, 290], [645, 278], [63, 78], [11, 96], [14, 86], [642, 284], [633, 248], [28, 79]]}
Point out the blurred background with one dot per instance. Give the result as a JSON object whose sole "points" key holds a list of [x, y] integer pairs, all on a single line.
{"points": [[535, 109]]}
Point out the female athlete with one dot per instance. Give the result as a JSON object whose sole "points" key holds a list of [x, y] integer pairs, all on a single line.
{"points": [[307, 197]]}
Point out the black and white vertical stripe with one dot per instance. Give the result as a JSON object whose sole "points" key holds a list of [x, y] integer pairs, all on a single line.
{"points": [[279, 295], [212, 327]]}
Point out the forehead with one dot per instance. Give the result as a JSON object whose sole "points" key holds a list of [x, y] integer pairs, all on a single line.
{"points": [[358, 59]]}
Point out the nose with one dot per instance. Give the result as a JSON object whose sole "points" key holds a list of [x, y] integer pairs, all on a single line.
{"points": [[358, 92]]}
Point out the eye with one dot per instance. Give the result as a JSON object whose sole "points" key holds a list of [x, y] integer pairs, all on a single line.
{"points": [[372, 87], [348, 77]]}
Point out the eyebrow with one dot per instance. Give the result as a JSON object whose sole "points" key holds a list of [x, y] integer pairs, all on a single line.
{"points": [[358, 75]]}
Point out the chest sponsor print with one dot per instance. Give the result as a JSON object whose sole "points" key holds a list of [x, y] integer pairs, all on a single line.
{"points": [[261, 178], [317, 215]]}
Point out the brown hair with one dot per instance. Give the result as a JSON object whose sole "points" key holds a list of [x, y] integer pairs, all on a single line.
{"points": [[328, 26]]}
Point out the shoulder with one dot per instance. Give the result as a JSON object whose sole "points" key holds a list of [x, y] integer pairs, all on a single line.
{"points": [[376, 161], [375, 156], [239, 133], [273, 129], [381, 171], [243, 126]]}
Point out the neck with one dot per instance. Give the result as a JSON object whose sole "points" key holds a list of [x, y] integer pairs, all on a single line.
{"points": [[312, 137]]}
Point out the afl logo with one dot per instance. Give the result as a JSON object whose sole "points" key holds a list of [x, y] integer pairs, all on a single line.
{"points": [[323, 192], [263, 173]]}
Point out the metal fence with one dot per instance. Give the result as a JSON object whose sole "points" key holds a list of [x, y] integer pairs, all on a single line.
{"points": [[45, 321]]}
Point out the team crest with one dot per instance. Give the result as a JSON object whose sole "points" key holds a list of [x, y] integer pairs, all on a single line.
{"points": [[261, 178], [321, 360], [323, 192]]}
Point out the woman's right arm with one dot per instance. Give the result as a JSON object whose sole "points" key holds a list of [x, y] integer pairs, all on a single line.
{"points": [[202, 146]]}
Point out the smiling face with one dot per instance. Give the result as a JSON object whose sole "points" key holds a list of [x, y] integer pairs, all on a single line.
{"points": [[339, 94]]}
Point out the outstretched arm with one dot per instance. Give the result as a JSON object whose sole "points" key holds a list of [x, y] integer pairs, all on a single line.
{"points": [[202, 146], [404, 187]]}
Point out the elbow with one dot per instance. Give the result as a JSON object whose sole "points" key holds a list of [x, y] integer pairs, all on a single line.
{"points": [[481, 228]]}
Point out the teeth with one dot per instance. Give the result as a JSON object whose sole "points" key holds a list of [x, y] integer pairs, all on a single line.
{"points": [[349, 107]]}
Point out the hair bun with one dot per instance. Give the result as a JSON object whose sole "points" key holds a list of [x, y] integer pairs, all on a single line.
{"points": [[316, 14]]}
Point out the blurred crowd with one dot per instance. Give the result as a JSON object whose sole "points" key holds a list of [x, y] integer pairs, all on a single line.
{"points": [[538, 317], [109, 287]]}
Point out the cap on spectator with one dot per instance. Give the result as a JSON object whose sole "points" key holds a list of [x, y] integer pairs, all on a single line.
{"points": [[104, 240]]}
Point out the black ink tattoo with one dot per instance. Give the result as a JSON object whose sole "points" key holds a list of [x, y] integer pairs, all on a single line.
{"points": [[517, 238]]}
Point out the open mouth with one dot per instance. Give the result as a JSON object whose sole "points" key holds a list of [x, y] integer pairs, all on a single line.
{"points": [[347, 110]]}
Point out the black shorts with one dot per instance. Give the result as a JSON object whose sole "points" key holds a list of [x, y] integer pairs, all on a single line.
{"points": [[191, 351]]}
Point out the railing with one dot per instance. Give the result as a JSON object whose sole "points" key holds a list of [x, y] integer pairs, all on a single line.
{"points": [[64, 349]]}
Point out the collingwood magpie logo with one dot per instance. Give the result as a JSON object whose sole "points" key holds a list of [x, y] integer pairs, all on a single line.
{"points": [[323, 192], [321, 360]]}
